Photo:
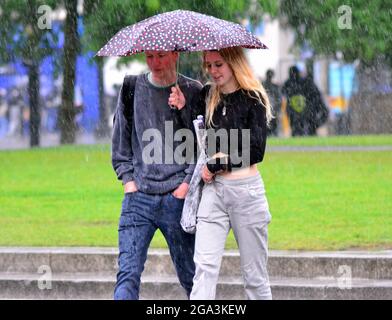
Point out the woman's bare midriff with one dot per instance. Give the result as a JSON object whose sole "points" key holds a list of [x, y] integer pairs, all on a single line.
{"points": [[240, 173]]}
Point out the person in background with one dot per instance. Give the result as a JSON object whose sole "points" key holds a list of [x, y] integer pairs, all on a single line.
{"points": [[297, 109], [275, 98], [318, 111]]}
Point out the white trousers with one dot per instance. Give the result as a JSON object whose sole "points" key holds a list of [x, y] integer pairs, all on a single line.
{"points": [[241, 205]]}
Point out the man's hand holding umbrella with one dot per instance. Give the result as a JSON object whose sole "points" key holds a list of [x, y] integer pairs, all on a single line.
{"points": [[177, 98]]}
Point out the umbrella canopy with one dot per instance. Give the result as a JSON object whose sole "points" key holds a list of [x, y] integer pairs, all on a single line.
{"points": [[179, 30]]}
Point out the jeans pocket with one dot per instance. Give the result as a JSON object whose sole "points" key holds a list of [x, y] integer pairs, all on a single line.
{"points": [[175, 204], [174, 197], [127, 201], [130, 193]]}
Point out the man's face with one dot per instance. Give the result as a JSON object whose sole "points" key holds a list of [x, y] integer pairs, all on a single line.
{"points": [[161, 62]]}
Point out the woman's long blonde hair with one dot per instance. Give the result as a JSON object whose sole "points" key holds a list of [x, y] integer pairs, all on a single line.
{"points": [[236, 59]]}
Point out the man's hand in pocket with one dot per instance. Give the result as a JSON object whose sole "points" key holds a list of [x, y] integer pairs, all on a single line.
{"points": [[130, 187], [181, 191]]}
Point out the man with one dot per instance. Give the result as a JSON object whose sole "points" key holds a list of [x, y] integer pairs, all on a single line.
{"points": [[318, 111], [274, 95], [294, 92], [154, 190]]}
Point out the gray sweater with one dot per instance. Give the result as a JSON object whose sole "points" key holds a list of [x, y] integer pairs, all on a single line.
{"points": [[148, 159]]}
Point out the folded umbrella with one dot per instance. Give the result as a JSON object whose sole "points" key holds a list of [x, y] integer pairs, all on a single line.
{"points": [[192, 199]]}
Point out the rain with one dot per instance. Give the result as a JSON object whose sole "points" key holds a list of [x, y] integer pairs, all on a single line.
{"points": [[326, 68], [58, 101]]}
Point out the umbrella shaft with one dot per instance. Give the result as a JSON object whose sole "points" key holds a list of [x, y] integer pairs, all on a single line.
{"points": [[177, 68]]}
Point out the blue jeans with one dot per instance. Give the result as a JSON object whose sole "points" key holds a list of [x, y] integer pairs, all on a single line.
{"points": [[141, 215]]}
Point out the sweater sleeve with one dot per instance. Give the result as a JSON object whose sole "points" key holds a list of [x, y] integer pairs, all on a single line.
{"points": [[258, 132], [122, 154], [193, 107]]}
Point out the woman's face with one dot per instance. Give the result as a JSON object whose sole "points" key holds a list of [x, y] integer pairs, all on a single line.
{"points": [[218, 69]]}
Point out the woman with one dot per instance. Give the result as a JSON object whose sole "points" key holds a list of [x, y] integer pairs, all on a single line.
{"points": [[233, 195]]}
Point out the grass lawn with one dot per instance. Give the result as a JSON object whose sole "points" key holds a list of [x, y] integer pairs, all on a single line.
{"points": [[69, 196], [369, 140]]}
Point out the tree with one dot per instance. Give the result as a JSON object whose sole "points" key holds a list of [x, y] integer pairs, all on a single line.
{"points": [[71, 49], [359, 29], [24, 35]]}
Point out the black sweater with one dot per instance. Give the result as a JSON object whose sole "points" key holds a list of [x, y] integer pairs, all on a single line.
{"points": [[239, 111]]}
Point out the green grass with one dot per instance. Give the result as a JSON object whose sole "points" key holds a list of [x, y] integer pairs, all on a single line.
{"points": [[370, 140], [325, 201], [69, 196]]}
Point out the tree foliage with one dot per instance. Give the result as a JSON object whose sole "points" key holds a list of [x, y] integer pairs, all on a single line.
{"points": [[20, 35], [320, 24]]}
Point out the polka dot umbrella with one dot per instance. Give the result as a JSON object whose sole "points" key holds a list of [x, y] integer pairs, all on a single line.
{"points": [[179, 30]]}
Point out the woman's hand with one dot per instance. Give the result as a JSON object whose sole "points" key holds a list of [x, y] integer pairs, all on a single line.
{"points": [[206, 175], [177, 98]]}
